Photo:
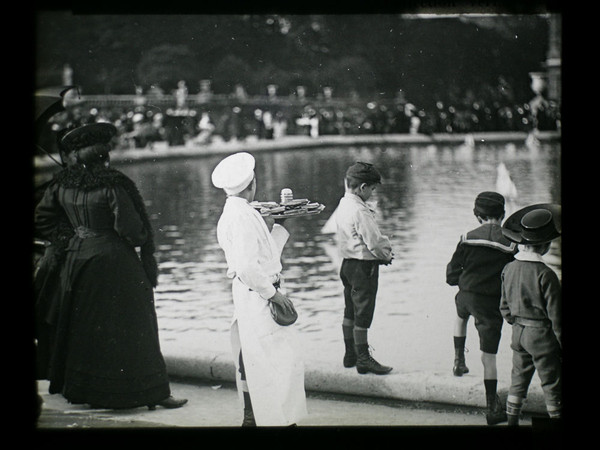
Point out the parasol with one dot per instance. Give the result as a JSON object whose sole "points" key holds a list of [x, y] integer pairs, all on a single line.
{"points": [[48, 102]]}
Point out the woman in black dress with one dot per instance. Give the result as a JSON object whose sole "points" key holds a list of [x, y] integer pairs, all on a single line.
{"points": [[104, 345]]}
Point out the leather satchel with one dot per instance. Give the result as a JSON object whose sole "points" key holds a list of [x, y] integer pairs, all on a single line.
{"points": [[280, 316]]}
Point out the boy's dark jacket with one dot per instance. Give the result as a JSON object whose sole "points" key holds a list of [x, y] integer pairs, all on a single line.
{"points": [[478, 260]]}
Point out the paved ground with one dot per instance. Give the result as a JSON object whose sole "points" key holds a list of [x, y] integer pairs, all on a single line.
{"points": [[216, 405], [213, 416]]}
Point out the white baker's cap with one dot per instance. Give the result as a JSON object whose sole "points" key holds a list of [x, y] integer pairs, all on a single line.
{"points": [[234, 173]]}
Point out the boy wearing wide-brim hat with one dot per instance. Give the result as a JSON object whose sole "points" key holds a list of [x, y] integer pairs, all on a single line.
{"points": [[363, 248], [475, 267], [532, 303]]}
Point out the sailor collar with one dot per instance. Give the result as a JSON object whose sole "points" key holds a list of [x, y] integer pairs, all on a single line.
{"points": [[482, 237]]}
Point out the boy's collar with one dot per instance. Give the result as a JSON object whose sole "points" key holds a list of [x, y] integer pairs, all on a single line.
{"points": [[352, 194], [371, 206], [355, 196], [524, 255], [349, 194]]}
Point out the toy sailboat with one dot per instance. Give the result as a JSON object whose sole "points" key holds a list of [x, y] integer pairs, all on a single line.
{"points": [[507, 188]]}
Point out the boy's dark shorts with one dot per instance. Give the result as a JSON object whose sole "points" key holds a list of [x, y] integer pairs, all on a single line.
{"points": [[360, 279], [488, 319]]}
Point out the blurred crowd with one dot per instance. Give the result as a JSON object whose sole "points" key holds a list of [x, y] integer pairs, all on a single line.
{"points": [[143, 126]]}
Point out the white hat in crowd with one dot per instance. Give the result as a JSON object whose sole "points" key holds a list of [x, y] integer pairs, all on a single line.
{"points": [[234, 173]]}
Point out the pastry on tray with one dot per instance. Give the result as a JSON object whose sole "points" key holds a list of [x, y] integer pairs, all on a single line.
{"points": [[292, 208]]}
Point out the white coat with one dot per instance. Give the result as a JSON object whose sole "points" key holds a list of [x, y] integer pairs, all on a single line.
{"points": [[274, 369]]}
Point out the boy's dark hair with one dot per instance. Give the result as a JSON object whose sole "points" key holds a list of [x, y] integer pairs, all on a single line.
{"points": [[355, 182], [362, 172], [489, 216], [538, 248]]}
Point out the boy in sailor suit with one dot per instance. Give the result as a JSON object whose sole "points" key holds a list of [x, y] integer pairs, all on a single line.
{"points": [[475, 268], [270, 375]]}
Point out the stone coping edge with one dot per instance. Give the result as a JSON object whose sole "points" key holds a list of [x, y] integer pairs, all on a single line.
{"points": [[319, 376]]}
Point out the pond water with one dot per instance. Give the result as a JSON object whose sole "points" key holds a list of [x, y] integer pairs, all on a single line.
{"points": [[424, 204]]}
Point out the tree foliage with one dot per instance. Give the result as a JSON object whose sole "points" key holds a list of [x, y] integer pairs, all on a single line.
{"points": [[369, 54], [166, 64]]}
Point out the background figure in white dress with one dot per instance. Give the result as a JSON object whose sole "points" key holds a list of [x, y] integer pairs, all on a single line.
{"points": [[270, 372]]}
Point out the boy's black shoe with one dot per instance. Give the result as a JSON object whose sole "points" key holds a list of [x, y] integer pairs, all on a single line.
{"points": [[350, 355], [366, 363], [460, 368], [495, 411]]}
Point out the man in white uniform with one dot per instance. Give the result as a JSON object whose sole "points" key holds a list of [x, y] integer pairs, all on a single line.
{"points": [[270, 372]]}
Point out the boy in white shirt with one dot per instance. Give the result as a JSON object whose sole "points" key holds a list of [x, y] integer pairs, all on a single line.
{"points": [[363, 248]]}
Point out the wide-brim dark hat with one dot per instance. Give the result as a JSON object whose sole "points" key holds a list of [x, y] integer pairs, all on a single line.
{"points": [[534, 224], [89, 134]]}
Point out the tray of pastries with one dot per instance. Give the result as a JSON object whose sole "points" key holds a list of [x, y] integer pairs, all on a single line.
{"points": [[298, 207]]}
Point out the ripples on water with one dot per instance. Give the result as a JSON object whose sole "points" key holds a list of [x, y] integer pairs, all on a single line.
{"points": [[424, 205]]}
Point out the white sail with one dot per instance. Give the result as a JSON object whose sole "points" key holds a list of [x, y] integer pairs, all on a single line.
{"points": [[330, 226], [507, 188], [504, 183]]}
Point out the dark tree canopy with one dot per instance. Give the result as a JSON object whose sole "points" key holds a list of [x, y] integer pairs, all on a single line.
{"points": [[370, 54]]}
